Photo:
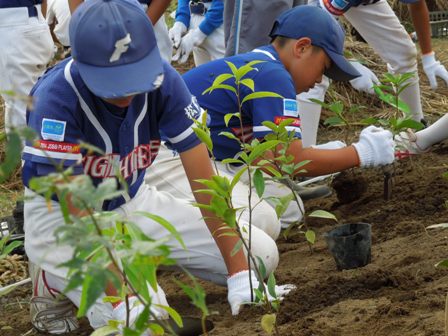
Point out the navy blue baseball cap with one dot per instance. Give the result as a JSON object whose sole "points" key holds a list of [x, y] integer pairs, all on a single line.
{"points": [[324, 32], [115, 49]]}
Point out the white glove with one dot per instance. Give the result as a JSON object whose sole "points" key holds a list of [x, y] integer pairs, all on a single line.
{"points": [[365, 82], [193, 38], [136, 307], [238, 290], [406, 145], [434, 69], [176, 32], [375, 147]]}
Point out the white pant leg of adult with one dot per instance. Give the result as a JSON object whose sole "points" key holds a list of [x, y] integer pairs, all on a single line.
{"points": [[213, 46], [294, 212], [163, 40], [26, 49], [380, 27], [167, 174]]}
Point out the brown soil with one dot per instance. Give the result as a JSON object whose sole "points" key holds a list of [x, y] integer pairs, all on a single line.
{"points": [[399, 293]]}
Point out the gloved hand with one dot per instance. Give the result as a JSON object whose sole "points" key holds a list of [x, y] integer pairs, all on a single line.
{"points": [[238, 290], [406, 145], [176, 32], [193, 38], [434, 69], [136, 307], [375, 147], [367, 79]]}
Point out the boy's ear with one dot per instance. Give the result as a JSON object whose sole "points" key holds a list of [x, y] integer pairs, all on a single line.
{"points": [[301, 45]]}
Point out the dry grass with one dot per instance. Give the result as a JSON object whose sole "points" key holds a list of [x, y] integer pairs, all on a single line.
{"points": [[435, 103]]}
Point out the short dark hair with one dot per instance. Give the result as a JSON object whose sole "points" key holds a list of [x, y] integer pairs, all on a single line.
{"points": [[281, 41]]}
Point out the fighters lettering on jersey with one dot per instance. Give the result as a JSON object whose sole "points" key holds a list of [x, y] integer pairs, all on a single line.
{"points": [[105, 166]]}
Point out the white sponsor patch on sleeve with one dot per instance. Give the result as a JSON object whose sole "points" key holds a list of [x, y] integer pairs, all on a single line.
{"points": [[53, 129], [290, 108]]}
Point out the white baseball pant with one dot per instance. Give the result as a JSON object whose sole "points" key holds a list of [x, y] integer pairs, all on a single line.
{"points": [[167, 174], [26, 49], [380, 27], [213, 46]]}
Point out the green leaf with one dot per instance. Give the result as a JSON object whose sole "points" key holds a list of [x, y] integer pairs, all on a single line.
{"points": [[260, 149], [258, 180], [260, 94], [105, 331], [12, 155], [173, 314], [167, 225], [229, 116], [443, 263], [235, 161], [221, 78], [271, 285], [334, 121], [233, 69], [323, 214], [268, 323], [142, 319], [236, 248], [310, 236], [220, 86], [204, 137], [369, 121], [156, 329], [237, 177], [93, 287], [248, 83], [10, 247], [245, 69], [410, 123]]}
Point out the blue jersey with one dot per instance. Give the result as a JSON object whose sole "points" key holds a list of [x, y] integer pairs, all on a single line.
{"points": [[66, 113], [270, 75], [213, 18]]}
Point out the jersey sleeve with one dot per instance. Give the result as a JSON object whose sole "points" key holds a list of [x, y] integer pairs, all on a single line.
{"points": [[58, 133], [183, 12], [213, 18], [273, 79], [178, 108]]}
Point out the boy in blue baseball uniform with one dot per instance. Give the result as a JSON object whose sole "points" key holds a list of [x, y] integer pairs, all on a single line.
{"points": [[203, 19], [117, 94], [307, 43]]}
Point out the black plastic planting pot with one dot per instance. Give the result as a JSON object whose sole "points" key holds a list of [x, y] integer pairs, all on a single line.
{"points": [[350, 245]]}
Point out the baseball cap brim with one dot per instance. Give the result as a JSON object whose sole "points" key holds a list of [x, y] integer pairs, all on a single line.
{"points": [[340, 69], [123, 80]]}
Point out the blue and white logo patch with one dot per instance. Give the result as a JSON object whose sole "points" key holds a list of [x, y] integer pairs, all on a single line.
{"points": [[53, 129], [290, 108]]}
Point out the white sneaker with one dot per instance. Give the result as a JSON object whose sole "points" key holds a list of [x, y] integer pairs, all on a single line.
{"points": [[406, 145], [50, 311]]}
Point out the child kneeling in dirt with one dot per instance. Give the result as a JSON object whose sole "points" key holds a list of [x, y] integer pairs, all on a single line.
{"points": [[307, 43], [118, 95]]}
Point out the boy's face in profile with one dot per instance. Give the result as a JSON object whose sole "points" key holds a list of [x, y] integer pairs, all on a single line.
{"points": [[308, 67]]}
